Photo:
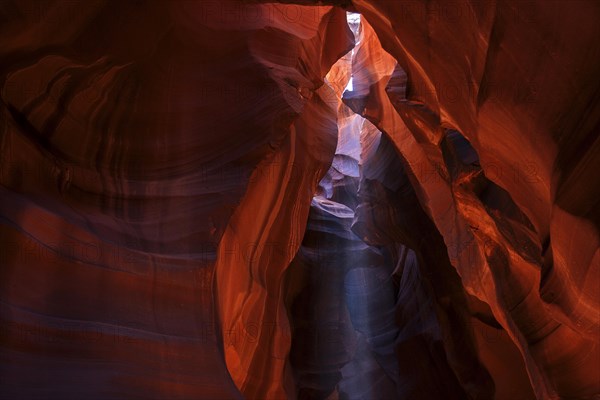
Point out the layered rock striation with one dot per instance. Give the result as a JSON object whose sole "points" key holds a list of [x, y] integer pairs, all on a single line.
{"points": [[249, 199]]}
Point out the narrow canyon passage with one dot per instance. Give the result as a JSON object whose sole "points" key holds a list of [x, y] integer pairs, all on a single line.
{"points": [[338, 199], [339, 290], [357, 330]]}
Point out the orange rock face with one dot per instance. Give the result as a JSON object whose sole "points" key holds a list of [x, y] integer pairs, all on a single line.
{"points": [[247, 199]]}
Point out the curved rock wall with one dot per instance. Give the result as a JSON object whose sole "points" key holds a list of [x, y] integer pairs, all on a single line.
{"points": [[146, 151], [158, 161], [491, 73]]}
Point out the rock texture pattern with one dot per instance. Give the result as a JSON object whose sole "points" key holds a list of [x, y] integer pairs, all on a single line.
{"points": [[158, 162], [485, 140], [255, 199]]}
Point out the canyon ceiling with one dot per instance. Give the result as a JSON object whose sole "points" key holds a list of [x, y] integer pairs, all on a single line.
{"points": [[358, 199]]}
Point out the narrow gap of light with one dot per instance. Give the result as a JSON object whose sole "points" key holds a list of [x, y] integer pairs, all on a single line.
{"points": [[354, 23]]}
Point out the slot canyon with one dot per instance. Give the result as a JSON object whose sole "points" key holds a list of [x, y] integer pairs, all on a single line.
{"points": [[333, 200]]}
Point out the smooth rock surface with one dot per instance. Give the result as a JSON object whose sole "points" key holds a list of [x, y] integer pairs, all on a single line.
{"points": [[256, 199]]}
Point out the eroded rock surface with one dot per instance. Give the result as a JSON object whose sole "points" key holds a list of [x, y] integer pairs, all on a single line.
{"points": [[190, 202]]}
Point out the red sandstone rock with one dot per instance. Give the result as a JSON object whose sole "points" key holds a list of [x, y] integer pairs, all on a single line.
{"points": [[158, 161]]}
